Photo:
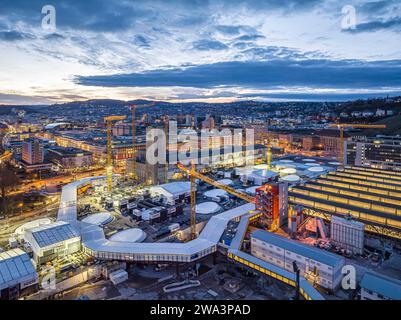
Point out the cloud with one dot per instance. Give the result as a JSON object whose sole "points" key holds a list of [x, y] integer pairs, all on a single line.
{"points": [[371, 26], [141, 41], [204, 45], [14, 35], [377, 8], [250, 37], [111, 16], [263, 74]]}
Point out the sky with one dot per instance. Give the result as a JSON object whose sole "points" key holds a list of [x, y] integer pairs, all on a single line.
{"points": [[213, 51]]}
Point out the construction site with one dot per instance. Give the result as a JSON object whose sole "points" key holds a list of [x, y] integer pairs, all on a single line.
{"points": [[271, 221]]}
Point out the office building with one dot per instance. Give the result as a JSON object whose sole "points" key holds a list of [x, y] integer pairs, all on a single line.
{"points": [[70, 158], [381, 152], [32, 151]]}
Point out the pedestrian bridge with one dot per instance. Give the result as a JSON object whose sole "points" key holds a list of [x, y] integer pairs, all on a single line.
{"points": [[96, 244]]}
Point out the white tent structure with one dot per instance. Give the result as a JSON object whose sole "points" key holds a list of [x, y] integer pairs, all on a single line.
{"points": [[291, 178], [20, 231], [288, 171], [216, 194], [172, 191], [133, 235], [316, 169], [207, 208], [286, 161], [99, 219]]}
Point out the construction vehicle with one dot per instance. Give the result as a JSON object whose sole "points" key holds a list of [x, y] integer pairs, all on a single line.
{"points": [[109, 162], [266, 200], [341, 127]]}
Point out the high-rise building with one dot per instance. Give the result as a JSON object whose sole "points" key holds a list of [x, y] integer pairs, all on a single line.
{"points": [[381, 152], [32, 151]]}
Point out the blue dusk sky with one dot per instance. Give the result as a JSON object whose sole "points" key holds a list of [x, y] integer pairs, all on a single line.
{"points": [[214, 51]]}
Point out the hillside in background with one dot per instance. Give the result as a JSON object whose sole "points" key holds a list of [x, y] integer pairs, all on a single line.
{"points": [[370, 105]]}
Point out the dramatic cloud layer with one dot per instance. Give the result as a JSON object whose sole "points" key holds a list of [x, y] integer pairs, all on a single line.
{"points": [[199, 50], [263, 74]]}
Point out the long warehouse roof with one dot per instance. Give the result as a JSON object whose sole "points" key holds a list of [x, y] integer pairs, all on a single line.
{"points": [[355, 186], [304, 284], [308, 251], [316, 185], [15, 267], [388, 287], [344, 206], [341, 196], [348, 197]]}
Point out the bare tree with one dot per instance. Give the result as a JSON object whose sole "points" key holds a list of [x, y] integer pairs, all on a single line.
{"points": [[8, 180]]}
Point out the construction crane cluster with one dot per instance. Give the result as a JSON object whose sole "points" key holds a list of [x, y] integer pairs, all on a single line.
{"points": [[263, 200], [109, 120]]}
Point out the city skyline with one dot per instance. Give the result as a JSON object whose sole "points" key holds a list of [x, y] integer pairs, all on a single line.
{"points": [[213, 51]]}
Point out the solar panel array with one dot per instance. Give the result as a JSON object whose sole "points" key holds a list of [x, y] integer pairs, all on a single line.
{"points": [[15, 265], [53, 233]]}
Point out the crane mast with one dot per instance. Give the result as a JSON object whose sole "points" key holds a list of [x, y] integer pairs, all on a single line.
{"points": [[193, 203], [109, 159], [133, 113]]}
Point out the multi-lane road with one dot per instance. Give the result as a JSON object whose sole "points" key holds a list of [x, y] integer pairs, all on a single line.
{"points": [[55, 181]]}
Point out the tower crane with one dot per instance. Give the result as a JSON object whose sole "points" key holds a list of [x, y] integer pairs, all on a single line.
{"points": [[193, 203], [166, 129], [263, 201], [269, 155], [109, 163], [341, 127], [134, 146]]}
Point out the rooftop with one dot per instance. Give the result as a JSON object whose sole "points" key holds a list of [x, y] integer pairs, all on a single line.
{"points": [[68, 151], [296, 247], [15, 267], [388, 287], [49, 234]]}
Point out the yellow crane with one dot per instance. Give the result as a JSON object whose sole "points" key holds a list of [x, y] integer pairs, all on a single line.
{"points": [[109, 163], [269, 156], [193, 203], [341, 127], [166, 129], [193, 174], [197, 175]]}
